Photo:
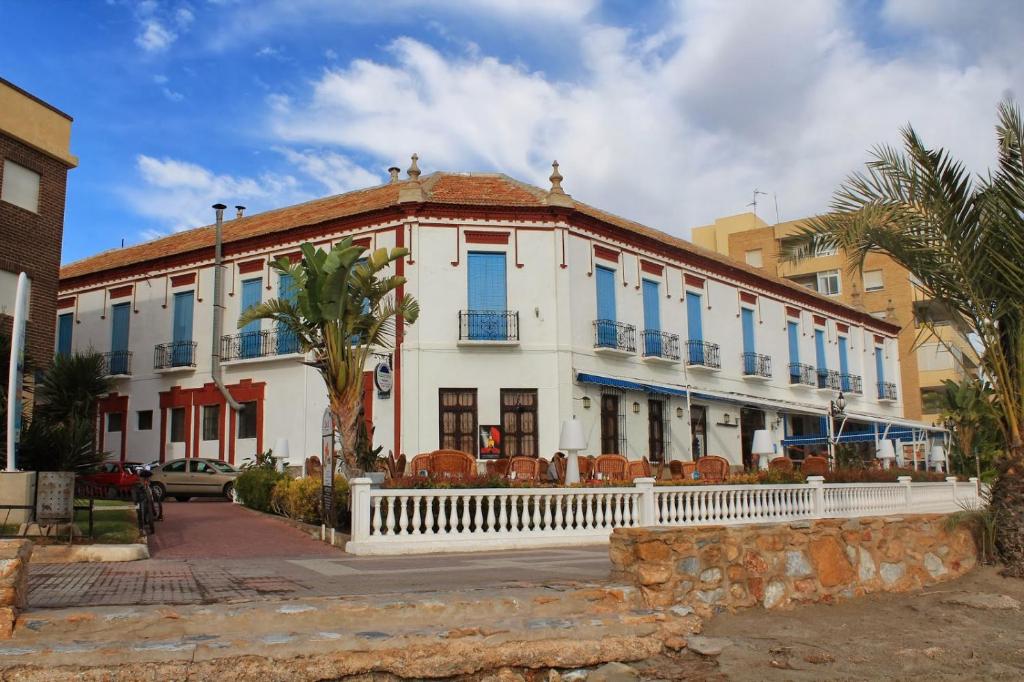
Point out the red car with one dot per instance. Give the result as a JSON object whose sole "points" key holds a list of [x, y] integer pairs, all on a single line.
{"points": [[112, 479]]}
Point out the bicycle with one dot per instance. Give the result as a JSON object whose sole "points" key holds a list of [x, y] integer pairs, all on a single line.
{"points": [[148, 509]]}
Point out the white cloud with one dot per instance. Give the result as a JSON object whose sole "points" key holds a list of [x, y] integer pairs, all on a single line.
{"points": [[336, 172], [677, 127], [160, 79], [184, 17], [155, 37], [176, 195], [267, 51], [173, 95]]}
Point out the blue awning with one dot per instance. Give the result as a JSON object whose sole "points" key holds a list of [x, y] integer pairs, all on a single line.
{"points": [[625, 385]]}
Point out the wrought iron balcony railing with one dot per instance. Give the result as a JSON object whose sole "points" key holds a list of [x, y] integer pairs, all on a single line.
{"points": [[828, 378], [801, 375], [851, 383], [659, 344], [117, 363], [756, 365], [488, 325], [886, 390], [614, 335], [174, 354], [265, 343], [703, 354]]}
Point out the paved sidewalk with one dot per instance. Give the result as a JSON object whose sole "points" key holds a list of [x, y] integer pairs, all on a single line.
{"points": [[201, 581]]}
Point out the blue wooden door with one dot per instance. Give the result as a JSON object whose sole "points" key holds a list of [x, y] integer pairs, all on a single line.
{"points": [[605, 306], [793, 330], [487, 297], [287, 342], [249, 338], [64, 326], [181, 348], [880, 371], [844, 363], [652, 319], [120, 318], [749, 345], [694, 328]]}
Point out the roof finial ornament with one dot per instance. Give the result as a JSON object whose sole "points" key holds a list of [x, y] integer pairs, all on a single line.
{"points": [[414, 170], [556, 179]]}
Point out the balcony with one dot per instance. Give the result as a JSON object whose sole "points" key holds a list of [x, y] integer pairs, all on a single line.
{"points": [[886, 392], [614, 337], [489, 327], [263, 344], [660, 346], [117, 363], [801, 375], [703, 355], [756, 366], [174, 356], [851, 383], [828, 380]]}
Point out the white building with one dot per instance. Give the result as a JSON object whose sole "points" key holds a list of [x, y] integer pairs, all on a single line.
{"points": [[534, 308]]}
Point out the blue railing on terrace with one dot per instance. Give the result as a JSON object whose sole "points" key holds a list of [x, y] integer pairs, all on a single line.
{"points": [[886, 390], [756, 365], [659, 344], [616, 335], [174, 354], [703, 354], [265, 343], [488, 325], [117, 363]]}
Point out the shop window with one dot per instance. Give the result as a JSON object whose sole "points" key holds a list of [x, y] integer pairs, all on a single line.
{"points": [[519, 421], [458, 419]]}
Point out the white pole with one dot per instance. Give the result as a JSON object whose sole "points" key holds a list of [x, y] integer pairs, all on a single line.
{"points": [[17, 363]]}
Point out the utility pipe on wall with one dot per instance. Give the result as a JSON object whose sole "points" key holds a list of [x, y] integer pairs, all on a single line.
{"points": [[17, 366], [218, 311]]}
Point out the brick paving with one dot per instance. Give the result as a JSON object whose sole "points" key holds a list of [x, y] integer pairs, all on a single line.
{"points": [[208, 552]]}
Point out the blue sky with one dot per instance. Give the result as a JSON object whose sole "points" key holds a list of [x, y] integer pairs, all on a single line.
{"points": [[671, 113]]}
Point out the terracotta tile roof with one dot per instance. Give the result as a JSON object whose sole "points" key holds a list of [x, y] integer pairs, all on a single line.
{"points": [[493, 190]]}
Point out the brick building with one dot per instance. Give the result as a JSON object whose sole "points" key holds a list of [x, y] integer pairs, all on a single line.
{"points": [[882, 288], [34, 161]]}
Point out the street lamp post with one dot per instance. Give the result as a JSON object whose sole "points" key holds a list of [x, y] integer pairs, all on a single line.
{"points": [[836, 410]]}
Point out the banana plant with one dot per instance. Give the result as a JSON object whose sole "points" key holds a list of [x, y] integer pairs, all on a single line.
{"points": [[342, 306]]}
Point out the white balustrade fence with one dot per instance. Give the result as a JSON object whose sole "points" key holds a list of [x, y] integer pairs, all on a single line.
{"points": [[413, 521]]}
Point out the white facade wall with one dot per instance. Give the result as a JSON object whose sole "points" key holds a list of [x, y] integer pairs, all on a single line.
{"points": [[557, 308]]}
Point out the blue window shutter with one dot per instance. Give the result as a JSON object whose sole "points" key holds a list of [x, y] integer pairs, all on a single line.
{"points": [[605, 293], [793, 329], [181, 351], [249, 340], [844, 360], [819, 349], [879, 366], [487, 296], [286, 340], [65, 324], [694, 324], [747, 317], [652, 306], [120, 317]]}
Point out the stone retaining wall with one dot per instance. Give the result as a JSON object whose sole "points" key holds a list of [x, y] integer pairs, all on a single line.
{"points": [[14, 558], [780, 565]]}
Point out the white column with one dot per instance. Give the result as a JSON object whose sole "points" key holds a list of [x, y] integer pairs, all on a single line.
{"points": [[646, 488], [359, 496], [905, 480], [951, 480], [818, 484]]}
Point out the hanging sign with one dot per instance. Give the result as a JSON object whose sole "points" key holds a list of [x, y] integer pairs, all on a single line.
{"points": [[383, 379]]}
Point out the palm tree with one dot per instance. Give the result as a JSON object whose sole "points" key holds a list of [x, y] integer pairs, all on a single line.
{"points": [[341, 306], [968, 409], [962, 238]]}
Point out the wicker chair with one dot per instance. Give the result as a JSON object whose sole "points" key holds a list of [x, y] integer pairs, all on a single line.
{"points": [[561, 463], [586, 465], [452, 464], [544, 464], [614, 467], [713, 469], [781, 464], [814, 466], [524, 468], [640, 468], [313, 467], [497, 467], [421, 462], [682, 470]]}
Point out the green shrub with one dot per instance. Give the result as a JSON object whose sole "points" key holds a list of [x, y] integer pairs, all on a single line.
{"points": [[301, 498], [255, 487]]}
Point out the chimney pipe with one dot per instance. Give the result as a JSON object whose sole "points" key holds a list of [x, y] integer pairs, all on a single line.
{"points": [[239, 211], [393, 172], [218, 309]]}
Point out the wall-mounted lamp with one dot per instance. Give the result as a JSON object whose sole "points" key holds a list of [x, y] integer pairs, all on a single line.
{"points": [[636, 407], [586, 403], [776, 423], [679, 412], [726, 418]]}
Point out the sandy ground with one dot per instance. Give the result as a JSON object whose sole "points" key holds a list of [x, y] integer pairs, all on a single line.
{"points": [[919, 636]]}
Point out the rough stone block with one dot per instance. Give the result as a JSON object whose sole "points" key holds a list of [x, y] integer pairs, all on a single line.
{"points": [[688, 566], [711, 576], [892, 572], [774, 594], [652, 551], [830, 562], [933, 564], [797, 565], [653, 574]]}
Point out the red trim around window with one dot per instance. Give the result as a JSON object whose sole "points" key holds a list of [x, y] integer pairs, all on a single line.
{"points": [[652, 268], [255, 265], [121, 292], [479, 237], [605, 253], [183, 280]]}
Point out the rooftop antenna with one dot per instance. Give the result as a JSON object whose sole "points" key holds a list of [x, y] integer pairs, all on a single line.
{"points": [[776, 196], [754, 202]]}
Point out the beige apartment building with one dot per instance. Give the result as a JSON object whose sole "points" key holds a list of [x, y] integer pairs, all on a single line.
{"points": [[882, 288]]}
